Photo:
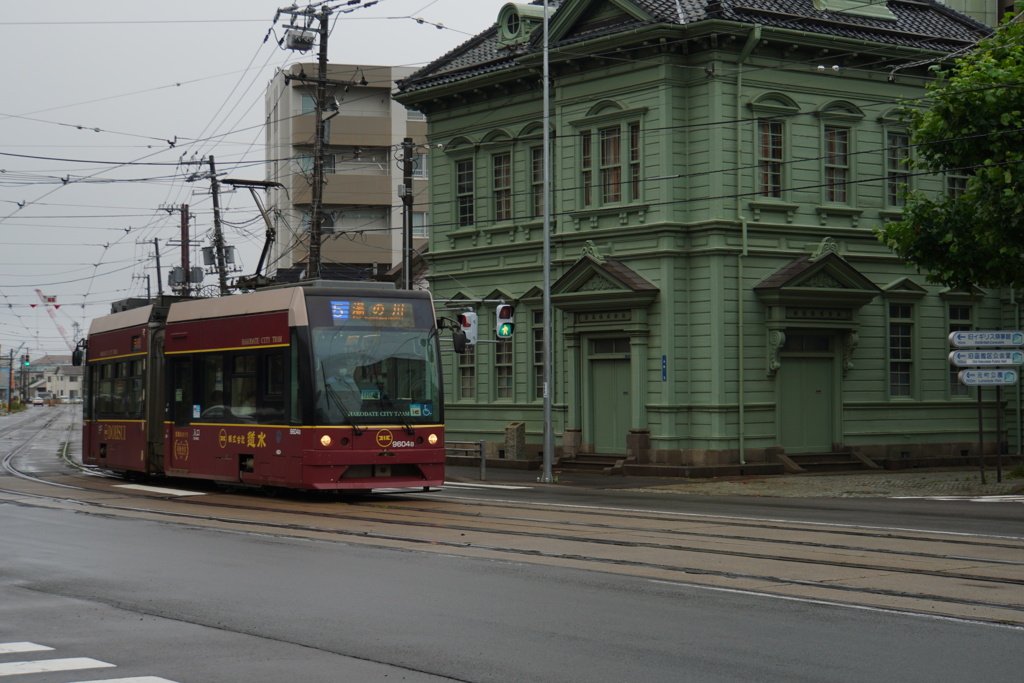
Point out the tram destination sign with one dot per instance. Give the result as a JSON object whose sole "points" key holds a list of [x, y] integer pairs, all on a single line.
{"points": [[989, 378], [986, 338], [986, 357]]}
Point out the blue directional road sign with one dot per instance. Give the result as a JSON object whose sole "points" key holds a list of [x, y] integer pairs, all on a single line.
{"points": [[982, 357], [988, 378], [986, 338]]}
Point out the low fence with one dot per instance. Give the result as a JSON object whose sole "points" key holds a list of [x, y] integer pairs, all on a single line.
{"points": [[470, 448]]}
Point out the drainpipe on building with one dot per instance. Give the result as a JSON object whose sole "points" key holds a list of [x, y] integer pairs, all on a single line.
{"points": [[755, 35]]}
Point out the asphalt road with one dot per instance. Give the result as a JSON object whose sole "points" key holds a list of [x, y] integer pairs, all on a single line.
{"points": [[130, 597], [191, 604]]}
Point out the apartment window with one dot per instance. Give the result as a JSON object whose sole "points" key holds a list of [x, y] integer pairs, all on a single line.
{"points": [[897, 154], [464, 192], [960, 318], [634, 162], [611, 165], [587, 166], [502, 179], [467, 373], [837, 163], [419, 165], [901, 329], [420, 226], [769, 158], [537, 181], [503, 369], [305, 162]]}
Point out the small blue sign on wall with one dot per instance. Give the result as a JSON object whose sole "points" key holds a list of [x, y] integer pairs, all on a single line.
{"points": [[664, 368]]}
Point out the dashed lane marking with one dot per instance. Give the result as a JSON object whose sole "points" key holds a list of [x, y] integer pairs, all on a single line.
{"points": [[155, 489], [972, 499], [136, 679], [466, 485]]}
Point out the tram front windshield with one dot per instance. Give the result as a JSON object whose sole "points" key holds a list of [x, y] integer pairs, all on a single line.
{"points": [[375, 362]]}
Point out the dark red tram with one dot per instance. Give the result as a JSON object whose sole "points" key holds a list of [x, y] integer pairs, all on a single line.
{"points": [[326, 386]]}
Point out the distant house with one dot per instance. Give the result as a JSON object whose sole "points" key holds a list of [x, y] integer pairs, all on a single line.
{"points": [[720, 298], [65, 382]]}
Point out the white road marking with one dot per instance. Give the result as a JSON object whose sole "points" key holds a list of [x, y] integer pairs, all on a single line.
{"points": [[155, 489], [136, 679], [50, 665], [459, 484], [841, 605], [973, 499], [12, 648]]}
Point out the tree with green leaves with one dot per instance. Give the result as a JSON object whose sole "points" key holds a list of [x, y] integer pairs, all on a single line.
{"points": [[974, 131]]}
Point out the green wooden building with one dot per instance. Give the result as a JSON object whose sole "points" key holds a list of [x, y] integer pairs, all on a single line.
{"points": [[719, 296]]}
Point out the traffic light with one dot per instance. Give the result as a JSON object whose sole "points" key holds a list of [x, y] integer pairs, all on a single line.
{"points": [[26, 361], [504, 327], [468, 324]]}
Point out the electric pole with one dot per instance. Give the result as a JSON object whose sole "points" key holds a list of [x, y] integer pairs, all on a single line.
{"points": [[316, 201], [185, 265], [218, 235]]}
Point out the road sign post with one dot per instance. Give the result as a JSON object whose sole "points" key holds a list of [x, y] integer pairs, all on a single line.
{"points": [[984, 353]]}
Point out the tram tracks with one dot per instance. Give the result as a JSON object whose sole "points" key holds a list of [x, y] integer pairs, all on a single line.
{"points": [[976, 578]]}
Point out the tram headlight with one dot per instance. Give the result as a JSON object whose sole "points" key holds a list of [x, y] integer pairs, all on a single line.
{"points": [[325, 440], [432, 439]]}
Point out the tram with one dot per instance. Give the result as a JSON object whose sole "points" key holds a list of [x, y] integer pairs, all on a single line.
{"points": [[326, 386]]}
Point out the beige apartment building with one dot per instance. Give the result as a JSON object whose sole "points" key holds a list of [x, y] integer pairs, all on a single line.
{"points": [[988, 11], [362, 210]]}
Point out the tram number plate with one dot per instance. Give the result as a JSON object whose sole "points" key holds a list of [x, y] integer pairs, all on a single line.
{"points": [[402, 444]]}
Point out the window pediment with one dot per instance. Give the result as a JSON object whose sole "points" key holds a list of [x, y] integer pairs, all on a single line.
{"points": [[840, 110]]}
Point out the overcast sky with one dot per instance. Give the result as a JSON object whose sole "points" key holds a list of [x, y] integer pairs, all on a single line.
{"points": [[102, 103]]}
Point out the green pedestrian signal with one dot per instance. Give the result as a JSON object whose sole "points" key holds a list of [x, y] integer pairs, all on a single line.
{"points": [[504, 327]]}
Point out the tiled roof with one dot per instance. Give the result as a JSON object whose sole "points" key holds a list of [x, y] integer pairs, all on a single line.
{"points": [[926, 24]]}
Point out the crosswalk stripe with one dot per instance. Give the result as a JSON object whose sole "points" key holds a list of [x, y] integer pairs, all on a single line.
{"points": [[12, 648], [50, 665], [136, 679]]}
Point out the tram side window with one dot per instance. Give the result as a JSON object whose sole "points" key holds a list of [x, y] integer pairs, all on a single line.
{"points": [[105, 398], [213, 400], [272, 390], [181, 391], [137, 390], [243, 386]]}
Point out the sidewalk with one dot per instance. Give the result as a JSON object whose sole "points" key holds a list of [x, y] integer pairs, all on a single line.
{"points": [[876, 484]]}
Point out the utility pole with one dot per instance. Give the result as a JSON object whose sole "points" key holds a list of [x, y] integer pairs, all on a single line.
{"points": [[317, 199], [407, 200], [184, 249], [159, 275], [218, 235]]}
